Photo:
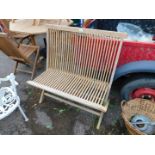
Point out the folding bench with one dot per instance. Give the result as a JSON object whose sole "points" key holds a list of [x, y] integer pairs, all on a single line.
{"points": [[80, 67]]}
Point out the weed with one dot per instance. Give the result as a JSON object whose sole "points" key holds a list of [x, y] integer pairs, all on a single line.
{"points": [[60, 111], [78, 110], [114, 122]]}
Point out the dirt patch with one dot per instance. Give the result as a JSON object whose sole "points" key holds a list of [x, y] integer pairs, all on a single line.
{"points": [[69, 120], [62, 116]]}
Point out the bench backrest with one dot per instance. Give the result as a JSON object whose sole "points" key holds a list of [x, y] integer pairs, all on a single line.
{"points": [[86, 52]]}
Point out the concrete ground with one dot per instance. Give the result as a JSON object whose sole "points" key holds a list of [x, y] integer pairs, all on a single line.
{"points": [[52, 117]]}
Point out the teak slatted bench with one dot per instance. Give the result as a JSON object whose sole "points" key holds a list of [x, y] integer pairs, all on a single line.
{"points": [[80, 67]]}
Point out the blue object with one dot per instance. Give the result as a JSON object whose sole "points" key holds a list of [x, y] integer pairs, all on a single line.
{"points": [[147, 128], [78, 22]]}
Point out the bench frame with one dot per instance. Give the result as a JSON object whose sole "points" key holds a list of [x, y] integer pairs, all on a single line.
{"points": [[73, 100]]}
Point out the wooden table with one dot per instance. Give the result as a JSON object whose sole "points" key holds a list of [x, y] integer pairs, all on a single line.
{"points": [[28, 26], [33, 28]]}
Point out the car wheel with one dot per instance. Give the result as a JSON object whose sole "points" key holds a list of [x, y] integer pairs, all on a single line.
{"points": [[139, 87]]}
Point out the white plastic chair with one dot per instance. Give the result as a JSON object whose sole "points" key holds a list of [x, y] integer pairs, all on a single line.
{"points": [[9, 100]]}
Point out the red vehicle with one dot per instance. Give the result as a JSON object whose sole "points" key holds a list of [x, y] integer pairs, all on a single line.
{"points": [[137, 65], [136, 68]]}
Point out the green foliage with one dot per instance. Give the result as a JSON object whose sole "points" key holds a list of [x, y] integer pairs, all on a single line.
{"points": [[60, 110]]}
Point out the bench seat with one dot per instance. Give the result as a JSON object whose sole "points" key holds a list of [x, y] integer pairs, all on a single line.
{"points": [[86, 91]]}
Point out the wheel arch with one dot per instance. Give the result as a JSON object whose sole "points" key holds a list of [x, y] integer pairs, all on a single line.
{"points": [[138, 67]]}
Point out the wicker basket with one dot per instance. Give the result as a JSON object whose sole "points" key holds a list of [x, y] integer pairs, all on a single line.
{"points": [[137, 107]]}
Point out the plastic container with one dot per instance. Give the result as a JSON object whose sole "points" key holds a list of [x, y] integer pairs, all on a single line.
{"points": [[135, 33]]}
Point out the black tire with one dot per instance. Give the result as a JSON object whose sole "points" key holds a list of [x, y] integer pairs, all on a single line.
{"points": [[134, 83]]}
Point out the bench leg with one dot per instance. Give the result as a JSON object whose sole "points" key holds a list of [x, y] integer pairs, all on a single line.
{"points": [[41, 97], [100, 120]]}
